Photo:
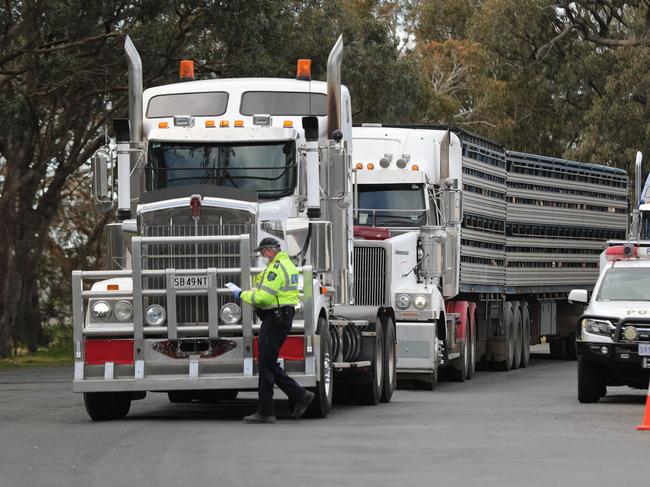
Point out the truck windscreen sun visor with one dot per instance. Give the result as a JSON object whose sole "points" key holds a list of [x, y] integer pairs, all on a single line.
{"points": [[195, 104], [269, 169], [283, 103]]}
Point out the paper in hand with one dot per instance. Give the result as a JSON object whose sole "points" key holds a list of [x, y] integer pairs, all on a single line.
{"points": [[233, 286]]}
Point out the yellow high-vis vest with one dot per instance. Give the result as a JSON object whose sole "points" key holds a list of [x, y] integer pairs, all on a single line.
{"points": [[276, 286]]}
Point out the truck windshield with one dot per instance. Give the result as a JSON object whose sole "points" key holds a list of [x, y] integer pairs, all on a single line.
{"points": [[267, 168], [625, 284], [399, 205]]}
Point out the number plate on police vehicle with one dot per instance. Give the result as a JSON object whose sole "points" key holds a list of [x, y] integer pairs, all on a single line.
{"points": [[644, 349], [190, 282]]}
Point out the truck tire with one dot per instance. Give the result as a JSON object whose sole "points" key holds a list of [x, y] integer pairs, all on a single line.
{"points": [[590, 381], [471, 365], [517, 329], [525, 341], [462, 363], [370, 393], [508, 337], [102, 406], [321, 405], [390, 361]]}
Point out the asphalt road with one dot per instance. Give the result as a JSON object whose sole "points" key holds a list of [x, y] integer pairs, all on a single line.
{"points": [[518, 428]]}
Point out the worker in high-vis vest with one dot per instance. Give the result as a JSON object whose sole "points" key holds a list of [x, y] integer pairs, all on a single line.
{"points": [[274, 296]]}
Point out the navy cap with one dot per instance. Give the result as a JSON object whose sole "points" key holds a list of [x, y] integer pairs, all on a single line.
{"points": [[268, 243]]}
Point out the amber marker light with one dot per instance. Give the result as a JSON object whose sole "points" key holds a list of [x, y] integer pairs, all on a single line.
{"points": [[303, 71], [163, 125], [223, 123], [415, 167], [358, 165], [113, 287], [287, 124], [210, 124], [370, 166], [239, 123], [186, 70]]}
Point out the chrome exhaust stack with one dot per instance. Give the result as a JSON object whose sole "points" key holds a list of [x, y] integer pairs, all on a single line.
{"points": [[335, 181], [135, 121]]}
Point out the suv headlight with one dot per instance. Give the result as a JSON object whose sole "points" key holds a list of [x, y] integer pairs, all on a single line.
{"points": [[420, 301], [403, 301], [597, 327]]}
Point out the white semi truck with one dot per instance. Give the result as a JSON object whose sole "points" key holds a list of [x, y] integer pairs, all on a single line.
{"points": [[504, 236], [203, 171]]}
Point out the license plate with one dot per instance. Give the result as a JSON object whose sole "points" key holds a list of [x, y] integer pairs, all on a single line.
{"points": [[644, 349], [190, 282]]}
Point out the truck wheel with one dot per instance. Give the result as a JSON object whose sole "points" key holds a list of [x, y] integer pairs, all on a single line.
{"points": [[471, 365], [321, 405], [390, 365], [590, 381], [370, 392], [462, 362], [525, 340], [102, 406], [518, 334], [508, 337]]}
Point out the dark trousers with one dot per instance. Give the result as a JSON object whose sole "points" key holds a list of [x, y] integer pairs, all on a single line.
{"points": [[271, 338]]}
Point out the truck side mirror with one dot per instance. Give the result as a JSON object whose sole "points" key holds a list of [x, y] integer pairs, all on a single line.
{"points": [[578, 296], [102, 189]]}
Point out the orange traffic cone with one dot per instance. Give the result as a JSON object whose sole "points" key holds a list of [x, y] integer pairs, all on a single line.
{"points": [[645, 424]]}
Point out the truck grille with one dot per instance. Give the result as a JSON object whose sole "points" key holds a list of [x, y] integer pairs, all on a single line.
{"points": [[369, 276], [191, 310]]}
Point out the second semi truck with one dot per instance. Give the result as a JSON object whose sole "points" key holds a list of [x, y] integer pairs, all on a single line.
{"points": [[513, 233]]}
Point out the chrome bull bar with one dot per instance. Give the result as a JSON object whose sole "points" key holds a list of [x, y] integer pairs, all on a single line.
{"points": [[81, 297]]}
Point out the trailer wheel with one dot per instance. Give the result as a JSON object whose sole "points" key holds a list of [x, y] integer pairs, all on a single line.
{"points": [[370, 393], [390, 365], [517, 328], [321, 405], [102, 406], [525, 341], [590, 381], [508, 337]]}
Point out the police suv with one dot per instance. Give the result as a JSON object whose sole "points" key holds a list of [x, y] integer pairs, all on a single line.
{"points": [[613, 334]]}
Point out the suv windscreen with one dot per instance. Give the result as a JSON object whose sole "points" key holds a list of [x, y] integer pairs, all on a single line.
{"points": [[625, 284], [267, 168], [399, 205]]}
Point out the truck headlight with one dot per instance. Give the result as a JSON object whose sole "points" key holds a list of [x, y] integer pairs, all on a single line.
{"points": [[403, 301], [597, 327], [230, 313], [420, 301], [123, 310], [155, 315], [101, 311]]}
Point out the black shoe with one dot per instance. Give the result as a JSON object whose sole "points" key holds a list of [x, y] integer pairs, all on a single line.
{"points": [[258, 418], [302, 405]]}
